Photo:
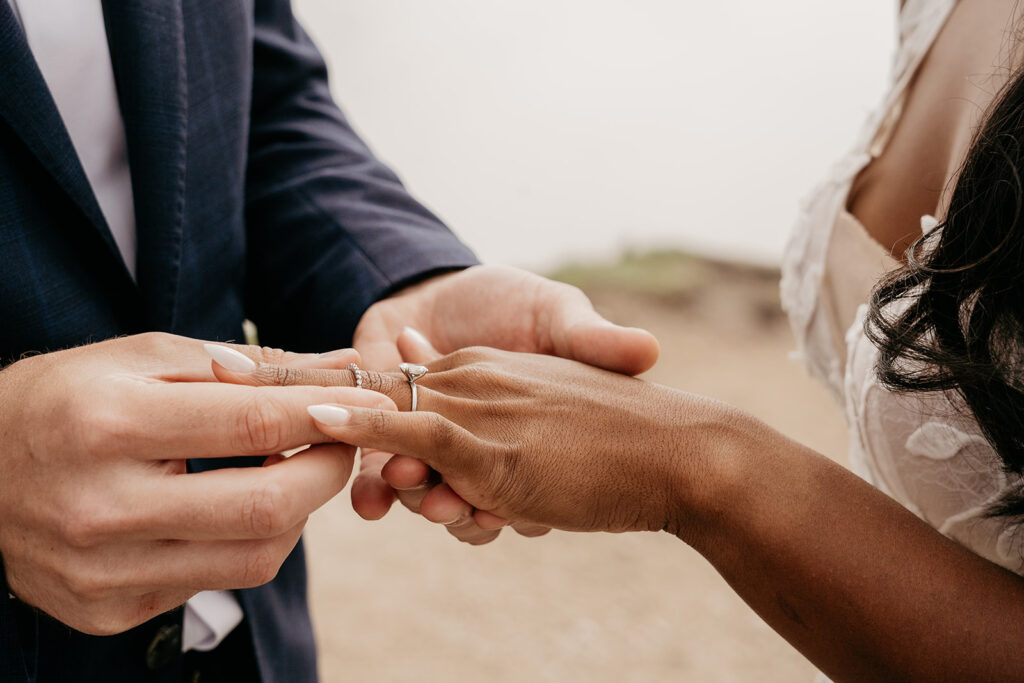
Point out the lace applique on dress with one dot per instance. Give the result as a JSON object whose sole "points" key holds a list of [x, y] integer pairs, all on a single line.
{"points": [[941, 441], [926, 451], [803, 261], [923, 450]]}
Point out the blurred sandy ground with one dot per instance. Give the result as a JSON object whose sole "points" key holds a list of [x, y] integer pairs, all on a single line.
{"points": [[399, 600]]}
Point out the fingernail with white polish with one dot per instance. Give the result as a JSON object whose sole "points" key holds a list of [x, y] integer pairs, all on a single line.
{"points": [[329, 415], [232, 360], [417, 336]]}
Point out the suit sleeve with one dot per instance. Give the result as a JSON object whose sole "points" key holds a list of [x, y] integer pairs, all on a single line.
{"points": [[330, 229], [12, 656]]}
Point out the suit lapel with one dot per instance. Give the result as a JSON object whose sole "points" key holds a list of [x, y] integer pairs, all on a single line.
{"points": [[29, 109], [147, 48]]}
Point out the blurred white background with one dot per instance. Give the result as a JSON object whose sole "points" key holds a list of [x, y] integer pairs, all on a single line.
{"points": [[548, 129]]}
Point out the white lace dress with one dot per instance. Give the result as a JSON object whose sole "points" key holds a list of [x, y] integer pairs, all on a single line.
{"points": [[918, 448]]}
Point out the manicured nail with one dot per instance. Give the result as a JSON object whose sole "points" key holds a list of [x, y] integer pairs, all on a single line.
{"points": [[417, 336], [232, 360], [329, 415]]}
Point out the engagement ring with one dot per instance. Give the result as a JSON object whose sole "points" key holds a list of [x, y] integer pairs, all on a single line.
{"points": [[412, 373]]}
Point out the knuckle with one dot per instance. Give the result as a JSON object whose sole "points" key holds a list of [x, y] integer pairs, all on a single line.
{"points": [[469, 355], [379, 422], [261, 566], [441, 432], [280, 375], [259, 426], [100, 427], [155, 340], [473, 372], [87, 586], [264, 513], [86, 526], [79, 532], [373, 381], [272, 356], [482, 381], [381, 382]]}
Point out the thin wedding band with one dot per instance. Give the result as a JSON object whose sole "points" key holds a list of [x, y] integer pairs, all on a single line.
{"points": [[358, 375], [412, 373]]}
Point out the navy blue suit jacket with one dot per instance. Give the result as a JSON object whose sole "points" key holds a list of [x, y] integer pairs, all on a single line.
{"points": [[253, 198]]}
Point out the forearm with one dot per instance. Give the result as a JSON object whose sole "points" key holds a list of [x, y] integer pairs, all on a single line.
{"points": [[330, 228], [857, 583], [861, 586]]}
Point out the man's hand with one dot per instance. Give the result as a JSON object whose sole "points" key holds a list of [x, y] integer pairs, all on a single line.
{"points": [[101, 527], [494, 306]]}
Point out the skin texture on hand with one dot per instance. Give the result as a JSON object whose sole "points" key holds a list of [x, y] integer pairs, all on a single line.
{"points": [[536, 439], [859, 584], [100, 525], [504, 308], [493, 306]]}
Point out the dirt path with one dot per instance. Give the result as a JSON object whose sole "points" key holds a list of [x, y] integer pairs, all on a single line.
{"points": [[398, 600]]}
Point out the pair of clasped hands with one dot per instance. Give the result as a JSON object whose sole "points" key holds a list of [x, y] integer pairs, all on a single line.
{"points": [[102, 528]]}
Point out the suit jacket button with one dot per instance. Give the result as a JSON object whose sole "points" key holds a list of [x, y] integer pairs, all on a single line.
{"points": [[166, 646]]}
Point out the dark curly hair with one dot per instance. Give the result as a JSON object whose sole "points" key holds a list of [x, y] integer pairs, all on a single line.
{"points": [[952, 319]]}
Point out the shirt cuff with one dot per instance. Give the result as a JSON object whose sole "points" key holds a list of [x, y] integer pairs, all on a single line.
{"points": [[209, 617]]}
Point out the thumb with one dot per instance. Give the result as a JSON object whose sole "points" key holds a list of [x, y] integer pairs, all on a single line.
{"points": [[579, 333], [415, 347], [629, 350]]}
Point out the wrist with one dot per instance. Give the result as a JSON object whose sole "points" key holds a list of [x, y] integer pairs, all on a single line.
{"points": [[711, 473]]}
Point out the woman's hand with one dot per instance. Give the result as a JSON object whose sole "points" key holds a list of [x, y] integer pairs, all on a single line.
{"points": [[840, 570], [861, 586], [494, 306], [537, 439]]}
